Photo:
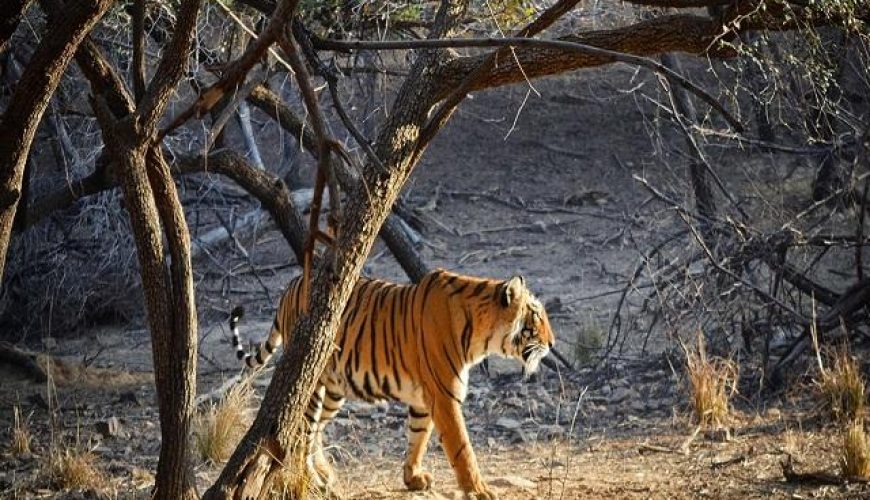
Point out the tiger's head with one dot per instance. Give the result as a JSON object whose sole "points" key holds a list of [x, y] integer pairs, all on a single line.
{"points": [[530, 336]]}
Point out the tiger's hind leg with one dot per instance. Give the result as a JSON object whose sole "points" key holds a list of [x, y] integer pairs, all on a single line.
{"points": [[313, 416], [332, 400], [419, 429]]}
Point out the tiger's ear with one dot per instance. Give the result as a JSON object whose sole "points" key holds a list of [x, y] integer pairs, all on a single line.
{"points": [[511, 290]]}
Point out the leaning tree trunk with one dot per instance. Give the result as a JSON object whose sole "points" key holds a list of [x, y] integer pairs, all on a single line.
{"points": [[12, 13], [275, 430], [32, 94]]}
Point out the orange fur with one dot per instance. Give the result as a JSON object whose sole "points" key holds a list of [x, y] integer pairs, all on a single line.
{"points": [[415, 344]]}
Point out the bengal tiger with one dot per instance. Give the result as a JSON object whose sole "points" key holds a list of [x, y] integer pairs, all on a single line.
{"points": [[415, 344]]}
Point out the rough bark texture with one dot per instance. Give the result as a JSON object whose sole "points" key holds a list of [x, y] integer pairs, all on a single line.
{"points": [[705, 203], [673, 33], [153, 205], [9, 19], [275, 428], [32, 94]]}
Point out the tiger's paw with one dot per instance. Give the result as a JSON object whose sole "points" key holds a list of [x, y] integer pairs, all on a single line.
{"points": [[482, 492], [417, 480]]}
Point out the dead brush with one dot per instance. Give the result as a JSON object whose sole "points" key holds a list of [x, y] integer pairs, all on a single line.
{"points": [[218, 430], [72, 468], [841, 387], [293, 479], [855, 462], [712, 384], [21, 437]]}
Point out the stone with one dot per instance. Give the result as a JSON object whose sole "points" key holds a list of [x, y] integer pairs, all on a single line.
{"points": [[621, 394], [508, 423], [513, 482], [110, 427]]}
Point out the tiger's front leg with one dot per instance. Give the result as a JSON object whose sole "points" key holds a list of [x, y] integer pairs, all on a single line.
{"points": [[447, 415], [419, 429]]}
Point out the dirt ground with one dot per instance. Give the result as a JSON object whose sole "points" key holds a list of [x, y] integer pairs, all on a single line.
{"points": [[553, 200]]}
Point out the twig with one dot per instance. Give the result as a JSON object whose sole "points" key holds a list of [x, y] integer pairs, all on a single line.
{"points": [[565, 45]]}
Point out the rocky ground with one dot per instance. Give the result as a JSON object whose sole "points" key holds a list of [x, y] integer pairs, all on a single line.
{"points": [[554, 200]]}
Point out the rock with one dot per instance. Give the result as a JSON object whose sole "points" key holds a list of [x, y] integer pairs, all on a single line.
{"points": [[621, 394], [513, 482], [508, 423], [621, 382], [605, 390], [638, 406], [109, 428], [129, 397], [554, 305], [550, 432], [515, 402]]}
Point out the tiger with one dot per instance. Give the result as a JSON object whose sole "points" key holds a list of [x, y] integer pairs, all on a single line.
{"points": [[414, 344]]}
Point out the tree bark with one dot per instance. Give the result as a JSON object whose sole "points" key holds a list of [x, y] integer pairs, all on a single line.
{"points": [[274, 431], [32, 94], [9, 19], [705, 203]]}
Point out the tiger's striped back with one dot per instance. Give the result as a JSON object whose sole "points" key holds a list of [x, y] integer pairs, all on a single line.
{"points": [[415, 343]]}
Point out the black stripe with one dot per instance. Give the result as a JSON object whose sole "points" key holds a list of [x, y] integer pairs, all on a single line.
{"points": [[478, 289], [466, 335], [458, 452], [269, 347], [367, 386], [235, 340], [240, 354], [330, 408], [450, 362], [260, 357], [334, 396], [437, 379], [413, 413], [461, 288], [417, 429], [373, 352], [428, 289], [385, 387]]}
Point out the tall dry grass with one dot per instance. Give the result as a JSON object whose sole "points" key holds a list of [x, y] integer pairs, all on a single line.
{"points": [[712, 384], [218, 430]]}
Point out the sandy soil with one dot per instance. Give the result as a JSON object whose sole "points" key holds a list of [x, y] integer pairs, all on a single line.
{"points": [[553, 201]]}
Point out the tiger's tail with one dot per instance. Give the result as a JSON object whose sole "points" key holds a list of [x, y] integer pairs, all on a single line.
{"points": [[264, 350]]}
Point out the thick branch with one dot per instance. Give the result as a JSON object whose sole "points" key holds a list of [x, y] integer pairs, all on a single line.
{"points": [[32, 93], [10, 18], [173, 65], [238, 70], [603, 55]]}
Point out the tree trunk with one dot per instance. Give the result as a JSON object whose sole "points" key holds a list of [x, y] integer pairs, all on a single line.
{"points": [[9, 19], [32, 94], [274, 432], [705, 203]]}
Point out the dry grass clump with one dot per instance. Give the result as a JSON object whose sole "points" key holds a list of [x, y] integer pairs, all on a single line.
{"points": [[21, 435], [841, 387], [855, 462], [71, 468], [712, 384], [218, 430]]}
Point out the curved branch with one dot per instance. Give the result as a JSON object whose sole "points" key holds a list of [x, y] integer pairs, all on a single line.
{"points": [[565, 49]]}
